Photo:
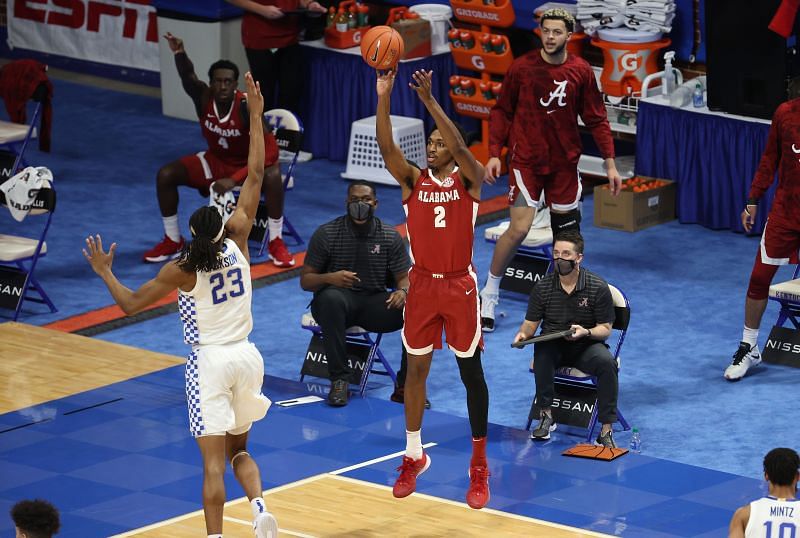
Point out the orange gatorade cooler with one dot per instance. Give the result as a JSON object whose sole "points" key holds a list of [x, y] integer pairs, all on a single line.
{"points": [[628, 57]]}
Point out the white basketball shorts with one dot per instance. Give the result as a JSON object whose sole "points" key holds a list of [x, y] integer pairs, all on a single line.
{"points": [[223, 388]]}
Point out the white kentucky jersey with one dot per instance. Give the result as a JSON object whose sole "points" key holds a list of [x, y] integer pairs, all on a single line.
{"points": [[773, 518], [217, 310]]}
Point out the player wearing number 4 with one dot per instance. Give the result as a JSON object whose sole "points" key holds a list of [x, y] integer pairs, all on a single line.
{"points": [[777, 515], [222, 111], [224, 372], [441, 203]]}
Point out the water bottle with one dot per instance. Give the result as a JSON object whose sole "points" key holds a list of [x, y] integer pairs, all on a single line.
{"points": [[636, 442], [697, 96]]}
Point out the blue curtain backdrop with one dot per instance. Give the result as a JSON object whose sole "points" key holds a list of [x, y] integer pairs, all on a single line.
{"points": [[340, 89], [712, 159]]}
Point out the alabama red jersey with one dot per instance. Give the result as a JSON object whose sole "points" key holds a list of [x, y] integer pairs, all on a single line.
{"points": [[536, 115], [782, 153], [440, 219], [228, 138]]}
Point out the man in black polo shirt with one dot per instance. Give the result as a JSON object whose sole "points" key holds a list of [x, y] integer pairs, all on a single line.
{"points": [[572, 298], [348, 264]]}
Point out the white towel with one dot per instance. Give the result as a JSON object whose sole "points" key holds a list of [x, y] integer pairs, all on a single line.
{"points": [[21, 190], [225, 203]]}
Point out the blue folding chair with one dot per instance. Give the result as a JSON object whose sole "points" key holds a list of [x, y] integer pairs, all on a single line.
{"points": [[15, 137], [21, 253], [787, 294]]}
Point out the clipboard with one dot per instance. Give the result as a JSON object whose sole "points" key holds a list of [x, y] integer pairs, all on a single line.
{"points": [[543, 338]]}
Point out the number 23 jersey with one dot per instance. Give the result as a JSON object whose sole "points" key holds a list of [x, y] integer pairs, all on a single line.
{"points": [[440, 219], [217, 310]]}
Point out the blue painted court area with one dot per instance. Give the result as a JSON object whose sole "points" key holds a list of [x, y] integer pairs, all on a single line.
{"points": [[120, 457]]}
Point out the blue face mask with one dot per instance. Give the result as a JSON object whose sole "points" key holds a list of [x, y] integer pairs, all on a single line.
{"points": [[360, 210], [564, 267]]}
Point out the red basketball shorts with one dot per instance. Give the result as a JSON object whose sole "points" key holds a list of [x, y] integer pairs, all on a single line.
{"points": [[439, 303], [562, 189]]}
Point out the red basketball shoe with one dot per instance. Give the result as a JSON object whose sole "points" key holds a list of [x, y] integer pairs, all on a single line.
{"points": [[409, 471], [478, 492]]}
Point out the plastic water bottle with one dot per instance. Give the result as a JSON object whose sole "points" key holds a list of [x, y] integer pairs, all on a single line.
{"points": [[697, 96], [636, 442]]}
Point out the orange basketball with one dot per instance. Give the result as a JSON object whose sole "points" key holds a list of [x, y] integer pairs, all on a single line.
{"points": [[382, 47]]}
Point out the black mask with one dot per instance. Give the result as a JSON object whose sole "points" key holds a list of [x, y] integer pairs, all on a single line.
{"points": [[564, 267], [360, 210]]}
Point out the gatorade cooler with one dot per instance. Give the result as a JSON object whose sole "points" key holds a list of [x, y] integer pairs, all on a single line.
{"points": [[628, 57]]}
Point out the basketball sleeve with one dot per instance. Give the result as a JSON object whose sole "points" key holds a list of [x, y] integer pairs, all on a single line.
{"points": [[765, 173], [603, 306], [592, 111], [271, 153], [536, 303], [502, 114]]}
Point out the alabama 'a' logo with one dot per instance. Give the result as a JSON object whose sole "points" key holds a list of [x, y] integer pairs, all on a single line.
{"points": [[559, 93]]}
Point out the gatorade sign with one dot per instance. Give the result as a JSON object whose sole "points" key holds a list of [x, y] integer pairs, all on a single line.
{"points": [[477, 61], [357, 37], [630, 61]]}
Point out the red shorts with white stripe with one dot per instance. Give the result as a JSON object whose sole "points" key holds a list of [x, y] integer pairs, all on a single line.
{"points": [[562, 189], [779, 246], [204, 168], [438, 302]]}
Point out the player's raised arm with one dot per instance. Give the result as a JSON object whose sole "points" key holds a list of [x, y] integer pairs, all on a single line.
{"points": [[193, 86], [469, 168], [396, 163], [241, 222]]}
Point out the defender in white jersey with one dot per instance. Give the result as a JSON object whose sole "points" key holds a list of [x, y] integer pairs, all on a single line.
{"points": [[224, 371], [778, 514]]}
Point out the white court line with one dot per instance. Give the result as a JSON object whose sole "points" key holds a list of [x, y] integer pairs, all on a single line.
{"points": [[487, 510], [281, 530], [376, 460]]}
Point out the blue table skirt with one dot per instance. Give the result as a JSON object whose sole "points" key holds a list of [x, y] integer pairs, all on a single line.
{"points": [[340, 89], [712, 159]]}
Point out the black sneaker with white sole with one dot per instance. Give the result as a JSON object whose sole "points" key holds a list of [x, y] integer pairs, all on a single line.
{"points": [[542, 431], [606, 440], [488, 302], [745, 358]]}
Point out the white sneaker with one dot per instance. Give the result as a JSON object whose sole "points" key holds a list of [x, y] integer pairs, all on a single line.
{"points": [[265, 526], [488, 302], [744, 359]]}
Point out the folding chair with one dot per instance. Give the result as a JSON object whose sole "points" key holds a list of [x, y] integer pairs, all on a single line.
{"points": [[288, 131], [15, 137], [361, 337], [787, 294], [21, 253], [572, 377]]}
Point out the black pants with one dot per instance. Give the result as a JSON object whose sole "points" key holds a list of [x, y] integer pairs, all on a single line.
{"points": [[594, 359], [282, 68], [336, 309]]}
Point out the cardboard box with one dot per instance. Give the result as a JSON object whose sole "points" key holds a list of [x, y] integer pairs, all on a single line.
{"points": [[416, 34], [633, 211]]}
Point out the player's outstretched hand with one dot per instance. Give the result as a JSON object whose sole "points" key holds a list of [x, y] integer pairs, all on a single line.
{"points": [[492, 170], [422, 84], [255, 101], [175, 43], [100, 260], [385, 81]]}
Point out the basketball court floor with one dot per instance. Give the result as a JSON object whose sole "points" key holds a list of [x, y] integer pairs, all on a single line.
{"points": [[110, 448]]}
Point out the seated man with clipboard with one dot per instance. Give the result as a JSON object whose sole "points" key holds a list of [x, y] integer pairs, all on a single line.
{"points": [[576, 311]]}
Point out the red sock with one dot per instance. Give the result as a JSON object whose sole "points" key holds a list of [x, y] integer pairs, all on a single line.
{"points": [[478, 452]]}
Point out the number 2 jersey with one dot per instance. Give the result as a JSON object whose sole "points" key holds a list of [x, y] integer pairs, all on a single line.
{"points": [[773, 518], [440, 219], [217, 310]]}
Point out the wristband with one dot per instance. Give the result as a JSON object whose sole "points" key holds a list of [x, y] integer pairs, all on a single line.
{"points": [[405, 290], [588, 333], [751, 201]]}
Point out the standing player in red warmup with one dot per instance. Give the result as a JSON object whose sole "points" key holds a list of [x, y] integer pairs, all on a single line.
{"points": [[536, 117], [222, 111], [441, 203], [781, 238]]}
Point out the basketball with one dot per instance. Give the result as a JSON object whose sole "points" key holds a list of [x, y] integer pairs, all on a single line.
{"points": [[382, 47]]}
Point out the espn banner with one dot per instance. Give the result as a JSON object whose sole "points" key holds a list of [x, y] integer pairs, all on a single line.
{"points": [[115, 32]]}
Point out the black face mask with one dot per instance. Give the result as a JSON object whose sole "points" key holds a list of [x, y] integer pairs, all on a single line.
{"points": [[360, 210], [564, 267]]}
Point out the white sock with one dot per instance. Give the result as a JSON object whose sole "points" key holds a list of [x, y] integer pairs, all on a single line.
{"points": [[214, 536], [275, 228], [492, 283], [414, 444], [750, 336], [171, 228], [258, 505]]}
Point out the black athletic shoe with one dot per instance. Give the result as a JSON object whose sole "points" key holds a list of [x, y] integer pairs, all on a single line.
{"points": [[606, 440], [337, 397], [542, 431]]}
